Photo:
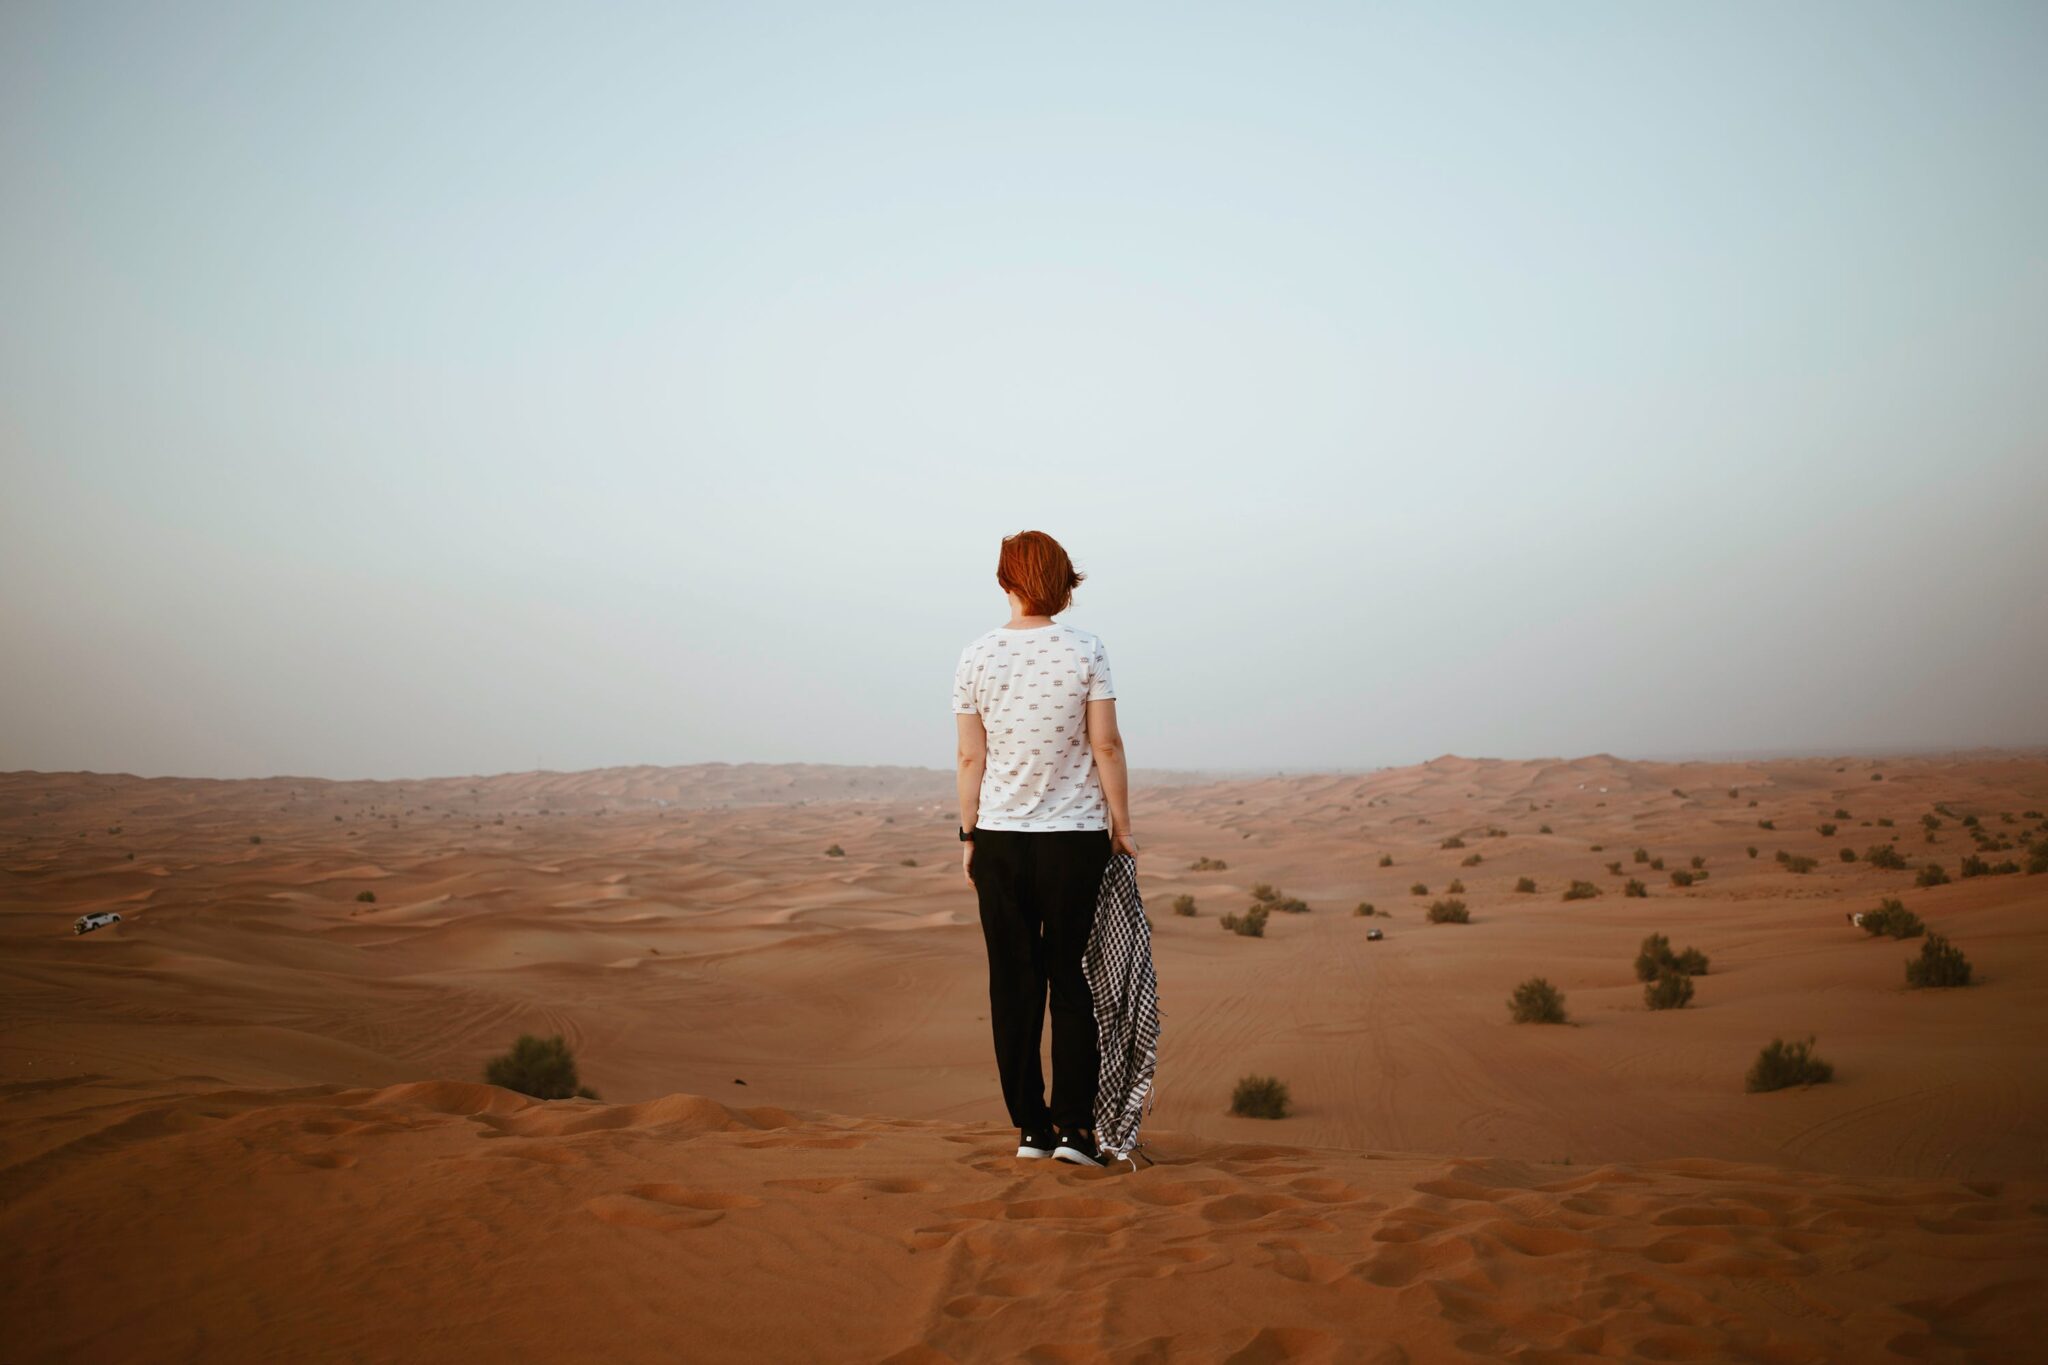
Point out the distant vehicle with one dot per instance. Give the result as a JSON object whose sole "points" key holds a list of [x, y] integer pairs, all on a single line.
{"points": [[100, 919], [1374, 934]]}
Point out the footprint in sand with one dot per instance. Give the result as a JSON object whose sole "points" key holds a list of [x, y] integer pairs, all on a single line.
{"points": [[667, 1208]]}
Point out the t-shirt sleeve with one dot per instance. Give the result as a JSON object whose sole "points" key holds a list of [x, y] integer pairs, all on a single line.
{"points": [[963, 685], [1100, 686]]}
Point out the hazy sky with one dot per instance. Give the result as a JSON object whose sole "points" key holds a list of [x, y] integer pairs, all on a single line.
{"points": [[394, 390]]}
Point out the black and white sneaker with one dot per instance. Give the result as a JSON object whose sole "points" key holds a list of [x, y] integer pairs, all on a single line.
{"points": [[1033, 1143], [1078, 1146]]}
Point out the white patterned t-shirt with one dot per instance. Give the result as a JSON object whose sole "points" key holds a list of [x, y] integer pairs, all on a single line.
{"points": [[1031, 689]]}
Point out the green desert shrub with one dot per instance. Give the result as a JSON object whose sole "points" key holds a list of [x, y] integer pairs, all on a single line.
{"points": [[1260, 1097], [1692, 962], [1656, 864], [1930, 875], [1893, 920], [1841, 814], [1251, 924], [1581, 891], [910, 862], [1386, 860], [1184, 906], [1931, 822], [1456, 888], [1536, 1001], [540, 1067], [1263, 891], [1766, 824], [1525, 884], [835, 851], [1543, 829], [1451, 911], [255, 838], [1885, 856], [1848, 854], [1680, 877], [1752, 850], [1884, 822], [1453, 842], [1796, 862], [1472, 860], [1615, 867], [1642, 855], [1827, 831], [1940, 963], [1635, 888], [1972, 866], [1698, 861], [1418, 890], [1655, 957], [1363, 908], [1672, 990], [367, 897], [1208, 864], [1782, 1064]]}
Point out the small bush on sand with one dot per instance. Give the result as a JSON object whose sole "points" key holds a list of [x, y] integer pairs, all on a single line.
{"points": [[1672, 990], [1752, 850], [1264, 892], [1450, 911], [1656, 864], [1698, 861], [1363, 908], [1543, 829], [1796, 862], [1456, 888], [1848, 854], [1972, 866], [1453, 842], [1260, 1097], [367, 897], [1892, 919], [1841, 814], [1615, 867], [1184, 906], [1581, 891], [1766, 824], [1536, 1001], [1940, 963], [1207, 864], [1932, 822], [1642, 855], [1827, 831], [1472, 860], [1251, 924], [255, 838], [540, 1067], [1680, 877], [1635, 888], [1931, 875], [1418, 890], [1386, 860], [1525, 884], [1655, 957], [835, 851], [1784, 1064], [1885, 856]]}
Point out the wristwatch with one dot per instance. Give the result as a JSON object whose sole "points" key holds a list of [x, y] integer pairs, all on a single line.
{"points": [[966, 835]]}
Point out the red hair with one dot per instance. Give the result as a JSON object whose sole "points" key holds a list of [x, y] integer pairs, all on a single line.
{"points": [[1036, 568]]}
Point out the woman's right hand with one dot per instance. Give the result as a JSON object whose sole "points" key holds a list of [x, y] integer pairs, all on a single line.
{"points": [[1120, 841]]}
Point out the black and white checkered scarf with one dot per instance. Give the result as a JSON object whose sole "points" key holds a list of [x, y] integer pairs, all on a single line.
{"points": [[1118, 966]]}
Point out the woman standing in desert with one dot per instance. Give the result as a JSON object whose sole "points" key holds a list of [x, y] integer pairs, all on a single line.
{"points": [[1044, 802]]}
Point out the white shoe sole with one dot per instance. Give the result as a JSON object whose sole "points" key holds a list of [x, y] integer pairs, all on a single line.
{"points": [[1033, 1153], [1075, 1155]]}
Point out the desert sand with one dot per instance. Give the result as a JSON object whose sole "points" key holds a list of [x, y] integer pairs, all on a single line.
{"points": [[248, 1122]]}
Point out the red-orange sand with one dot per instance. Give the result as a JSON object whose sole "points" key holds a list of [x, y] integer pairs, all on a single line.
{"points": [[247, 1123]]}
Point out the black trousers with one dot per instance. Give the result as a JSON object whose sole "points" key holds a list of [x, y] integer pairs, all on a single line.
{"points": [[1037, 893]]}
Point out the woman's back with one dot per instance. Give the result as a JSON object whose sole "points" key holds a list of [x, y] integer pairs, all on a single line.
{"points": [[1031, 689]]}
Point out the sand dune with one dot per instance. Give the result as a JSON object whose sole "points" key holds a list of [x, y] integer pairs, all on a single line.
{"points": [[246, 1124]]}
